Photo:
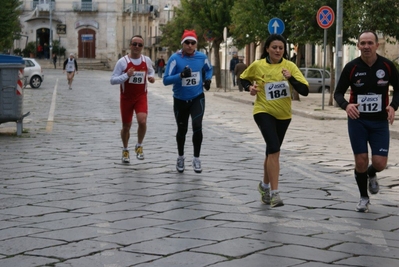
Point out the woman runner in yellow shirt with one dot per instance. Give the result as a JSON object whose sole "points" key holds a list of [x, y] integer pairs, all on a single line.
{"points": [[272, 79]]}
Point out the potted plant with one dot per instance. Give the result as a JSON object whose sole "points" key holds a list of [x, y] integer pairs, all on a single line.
{"points": [[57, 49], [18, 51], [29, 50]]}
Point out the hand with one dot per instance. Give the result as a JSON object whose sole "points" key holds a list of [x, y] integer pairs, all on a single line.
{"points": [[207, 84], [352, 111], [286, 73], [151, 79], [391, 114], [186, 72], [253, 90], [130, 72]]}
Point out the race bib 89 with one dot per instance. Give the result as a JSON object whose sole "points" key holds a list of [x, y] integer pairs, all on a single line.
{"points": [[138, 77]]}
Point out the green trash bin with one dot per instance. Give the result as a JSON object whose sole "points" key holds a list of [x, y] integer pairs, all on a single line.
{"points": [[11, 93]]}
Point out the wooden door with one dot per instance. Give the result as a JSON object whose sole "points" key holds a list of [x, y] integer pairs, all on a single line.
{"points": [[87, 43]]}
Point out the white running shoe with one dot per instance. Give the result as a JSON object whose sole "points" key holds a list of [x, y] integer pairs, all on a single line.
{"points": [[180, 164], [363, 205], [197, 165]]}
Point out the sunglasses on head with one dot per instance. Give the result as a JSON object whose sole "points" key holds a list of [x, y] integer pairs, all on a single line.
{"points": [[187, 42], [137, 44]]}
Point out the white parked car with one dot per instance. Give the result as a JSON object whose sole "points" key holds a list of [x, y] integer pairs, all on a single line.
{"points": [[314, 77], [33, 74]]}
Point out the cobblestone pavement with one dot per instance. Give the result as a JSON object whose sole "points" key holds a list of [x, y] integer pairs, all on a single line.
{"points": [[66, 200]]}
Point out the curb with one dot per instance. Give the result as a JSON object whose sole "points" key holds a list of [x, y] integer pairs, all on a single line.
{"points": [[394, 134]]}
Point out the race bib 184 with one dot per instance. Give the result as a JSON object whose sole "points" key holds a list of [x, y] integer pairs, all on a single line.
{"points": [[277, 90]]}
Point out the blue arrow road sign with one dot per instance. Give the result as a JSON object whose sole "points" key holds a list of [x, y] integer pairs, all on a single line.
{"points": [[276, 26]]}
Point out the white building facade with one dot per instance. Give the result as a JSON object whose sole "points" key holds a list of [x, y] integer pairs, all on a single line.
{"points": [[101, 30], [94, 29]]}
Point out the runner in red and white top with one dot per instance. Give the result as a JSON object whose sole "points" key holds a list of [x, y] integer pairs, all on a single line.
{"points": [[132, 73]]}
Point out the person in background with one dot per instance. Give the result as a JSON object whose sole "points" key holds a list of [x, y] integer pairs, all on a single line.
{"points": [[46, 51], [233, 62], [71, 66], [39, 51], [132, 73], [272, 79], [369, 111], [238, 69], [160, 66], [55, 60], [185, 71]]}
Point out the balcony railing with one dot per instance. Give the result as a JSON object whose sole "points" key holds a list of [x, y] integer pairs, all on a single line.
{"points": [[42, 5], [85, 7], [137, 8]]}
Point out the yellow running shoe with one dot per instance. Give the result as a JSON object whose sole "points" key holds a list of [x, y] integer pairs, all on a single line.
{"points": [[139, 152], [125, 156]]}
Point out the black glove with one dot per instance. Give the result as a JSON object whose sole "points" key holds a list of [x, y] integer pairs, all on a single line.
{"points": [[207, 84], [186, 72]]}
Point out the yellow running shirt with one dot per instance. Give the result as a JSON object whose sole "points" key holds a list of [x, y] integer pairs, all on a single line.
{"points": [[274, 96]]}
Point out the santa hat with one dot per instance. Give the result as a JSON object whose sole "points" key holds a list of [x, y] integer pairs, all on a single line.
{"points": [[189, 35]]}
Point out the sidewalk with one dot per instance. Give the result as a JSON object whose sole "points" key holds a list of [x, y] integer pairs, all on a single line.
{"points": [[310, 106]]}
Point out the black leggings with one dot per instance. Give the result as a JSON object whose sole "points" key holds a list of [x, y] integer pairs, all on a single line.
{"points": [[273, 131], [183, 109]]}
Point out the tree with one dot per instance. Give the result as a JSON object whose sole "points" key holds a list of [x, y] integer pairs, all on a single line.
{"points": [[9, 23], [306, 29], [358, 15], [250, 20], [380, 16], [203, 16]]}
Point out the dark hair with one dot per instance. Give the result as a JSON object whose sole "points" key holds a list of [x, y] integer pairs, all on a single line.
{"points": [[137, 35], [274, 37], [366, 31]]}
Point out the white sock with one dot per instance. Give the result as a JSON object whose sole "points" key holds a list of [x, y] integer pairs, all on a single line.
{"points": [[137, 145], [265, 186], [273, 192], [125, 148]]}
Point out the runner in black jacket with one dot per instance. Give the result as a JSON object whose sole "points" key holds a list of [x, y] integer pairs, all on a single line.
{"points": [[369, 111]]}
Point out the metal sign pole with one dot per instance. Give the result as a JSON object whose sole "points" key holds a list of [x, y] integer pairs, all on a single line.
{"points": [[324, 69], [325, 18], [59, 50], [225, 58]]}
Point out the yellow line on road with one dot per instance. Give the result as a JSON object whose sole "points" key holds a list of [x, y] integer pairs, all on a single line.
{"points": [[50, 120]]}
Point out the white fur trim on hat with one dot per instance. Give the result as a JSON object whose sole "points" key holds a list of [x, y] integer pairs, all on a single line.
{"points": [[189, 35], [188, 38]]}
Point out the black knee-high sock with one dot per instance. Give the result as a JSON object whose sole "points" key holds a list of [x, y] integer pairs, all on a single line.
{"points": [[371, 171], [361, 180]]}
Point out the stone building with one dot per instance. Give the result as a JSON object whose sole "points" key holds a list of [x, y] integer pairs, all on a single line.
{"points": [[94, 29]]}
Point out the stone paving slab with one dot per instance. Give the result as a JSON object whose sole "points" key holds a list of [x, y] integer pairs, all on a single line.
{"points": [[67, 201]]}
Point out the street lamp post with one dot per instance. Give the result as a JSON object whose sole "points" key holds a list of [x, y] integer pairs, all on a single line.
{"points": [[338, 45], [167, 8], [51, 32]]}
